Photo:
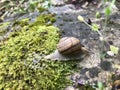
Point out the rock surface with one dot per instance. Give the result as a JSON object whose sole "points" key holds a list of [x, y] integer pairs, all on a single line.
{"points": [[96, 67]]}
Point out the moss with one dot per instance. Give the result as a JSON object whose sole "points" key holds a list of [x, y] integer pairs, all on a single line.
{"points": [[23, 22], [3, 28], [41, 9], [21, 64], [44, 19]]}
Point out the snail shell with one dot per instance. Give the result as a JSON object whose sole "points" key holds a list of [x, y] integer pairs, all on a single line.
{"points": [[69, 45], [116, 85]]}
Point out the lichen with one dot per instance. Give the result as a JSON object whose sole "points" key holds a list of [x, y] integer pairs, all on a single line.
{"points": [[22, 66]]}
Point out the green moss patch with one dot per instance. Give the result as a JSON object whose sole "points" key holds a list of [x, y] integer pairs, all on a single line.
{"points": [[22, 66], [3, 28], [44, 19]]}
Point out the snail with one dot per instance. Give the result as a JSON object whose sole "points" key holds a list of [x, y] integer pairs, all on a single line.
{"points": [[70, 45], [68, 48]]}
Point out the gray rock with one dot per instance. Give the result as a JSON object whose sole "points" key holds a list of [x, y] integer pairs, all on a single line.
{"points": [[117, 3], [62, 9], [57, 2]]}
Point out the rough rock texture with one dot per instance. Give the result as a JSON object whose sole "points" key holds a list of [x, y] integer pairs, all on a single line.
{"points": [[118, 4], [96, 67], [57, 2]]}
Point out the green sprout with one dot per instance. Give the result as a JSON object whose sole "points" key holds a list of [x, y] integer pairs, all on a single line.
{"points": [[108, 11], [114, 49], [97, 14], [94, 26], [100, 86]]}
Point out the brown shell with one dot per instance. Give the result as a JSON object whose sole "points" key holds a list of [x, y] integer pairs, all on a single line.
{"points": [[116, 85], [69, 45]]}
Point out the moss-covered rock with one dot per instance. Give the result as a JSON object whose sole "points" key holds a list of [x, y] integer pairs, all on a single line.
{"points": [[44, 19], [21, 64]]}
